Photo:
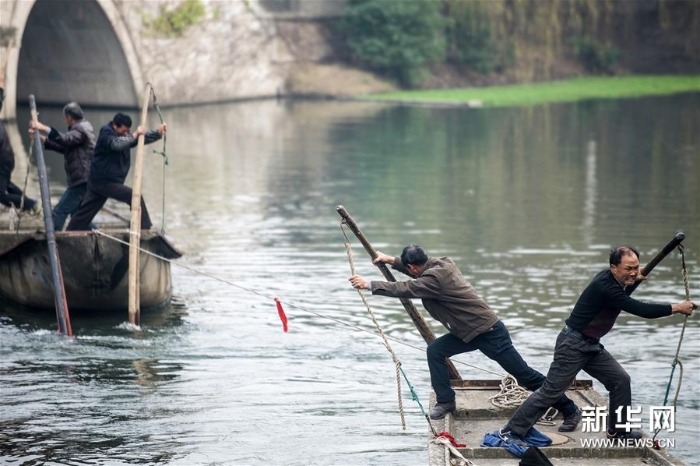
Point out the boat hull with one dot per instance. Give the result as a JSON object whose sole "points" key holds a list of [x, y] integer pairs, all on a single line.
{"points": [[476, 415], [95, 269]]}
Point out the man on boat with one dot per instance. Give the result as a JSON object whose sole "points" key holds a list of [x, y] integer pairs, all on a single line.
{"points": [[472, 325], [77, 146], [578, 346], [110, 165], [10, 194]]}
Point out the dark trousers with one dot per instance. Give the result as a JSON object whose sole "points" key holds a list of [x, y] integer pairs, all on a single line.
{"points": [[68, 205], [574, 352], [96, 196], [10, 194], [497, 345]]}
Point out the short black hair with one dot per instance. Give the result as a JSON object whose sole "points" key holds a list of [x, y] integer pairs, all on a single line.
{"points": [[617, 253], [413, 255], [74, 110], [122, 120]]}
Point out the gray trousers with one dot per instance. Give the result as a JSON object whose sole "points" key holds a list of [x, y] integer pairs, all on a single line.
{"points": [[575, 352]]}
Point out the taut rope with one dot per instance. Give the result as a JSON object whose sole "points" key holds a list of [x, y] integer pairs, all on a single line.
{"points": [[676, 360], [397, 362], [165, 156]]}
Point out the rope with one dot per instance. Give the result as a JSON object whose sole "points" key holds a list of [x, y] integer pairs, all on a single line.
{"points": [[287, 303], [512, 395], [165, 156], [24, 190], [676, 360], [397, 363], [459, 459]]}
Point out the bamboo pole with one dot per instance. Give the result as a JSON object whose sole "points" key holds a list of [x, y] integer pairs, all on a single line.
{"points": [[6, 56], [135, 227], [60, 302], [411, 310]]}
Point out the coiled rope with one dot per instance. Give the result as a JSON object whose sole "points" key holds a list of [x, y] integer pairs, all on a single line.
{"points": [[676, 360]]}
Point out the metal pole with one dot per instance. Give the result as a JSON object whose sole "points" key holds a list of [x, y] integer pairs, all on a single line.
{"points": [[135, 227], [411, 310], [57, 277]]}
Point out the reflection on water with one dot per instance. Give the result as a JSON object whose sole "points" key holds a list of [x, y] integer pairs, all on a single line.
{"points": [[527, 201]]}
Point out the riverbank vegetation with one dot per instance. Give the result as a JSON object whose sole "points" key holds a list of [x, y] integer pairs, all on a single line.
{"points": [[594, 87], [460, 43]]}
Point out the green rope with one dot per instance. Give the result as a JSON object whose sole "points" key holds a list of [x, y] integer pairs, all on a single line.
{"points": [[676, 360], [414, 397], [165, 156]]}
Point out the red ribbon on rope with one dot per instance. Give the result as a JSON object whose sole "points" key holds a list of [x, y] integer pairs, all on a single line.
{"points": [[451, 439], [283, 316]]}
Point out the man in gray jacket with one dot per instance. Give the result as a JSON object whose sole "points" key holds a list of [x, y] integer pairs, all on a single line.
{"points": [[77, 146], [472, 325]]}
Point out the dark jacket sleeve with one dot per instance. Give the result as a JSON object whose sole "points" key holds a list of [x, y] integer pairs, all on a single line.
{"points": [[53, 145], [618, 299], [425, 286], [151, 136], [67, 140]]}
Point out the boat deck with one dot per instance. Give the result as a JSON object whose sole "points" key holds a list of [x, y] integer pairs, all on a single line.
{"points": [[477, 416]]}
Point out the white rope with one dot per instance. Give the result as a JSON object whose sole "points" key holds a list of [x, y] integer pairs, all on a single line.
{"points": [[397, 362], [459, 459], [512, 395]]}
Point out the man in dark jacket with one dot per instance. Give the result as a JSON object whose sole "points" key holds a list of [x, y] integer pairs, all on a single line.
{"points": [[10, 194], [472, 325], [578, 346], [110, 165], [77, 146]]}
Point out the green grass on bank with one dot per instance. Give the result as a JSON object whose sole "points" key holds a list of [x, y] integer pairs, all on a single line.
{"points": [[556, 91]]}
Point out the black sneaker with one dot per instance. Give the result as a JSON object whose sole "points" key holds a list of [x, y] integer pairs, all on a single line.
{"points": [[624, 435], [571, 421], [508, 436], [440, 410]]}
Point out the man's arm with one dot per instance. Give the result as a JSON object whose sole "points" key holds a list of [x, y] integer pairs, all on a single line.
{"points": [[425, 286], [394, 262], [620, 300]]}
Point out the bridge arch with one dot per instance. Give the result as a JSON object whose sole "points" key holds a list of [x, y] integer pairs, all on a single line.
{"points": [[70, 50]]}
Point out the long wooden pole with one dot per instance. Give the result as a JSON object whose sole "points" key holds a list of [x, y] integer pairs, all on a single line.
{"points": [[60, 302], [665, 251], [6, 56], [411, 310], [135, 227]]}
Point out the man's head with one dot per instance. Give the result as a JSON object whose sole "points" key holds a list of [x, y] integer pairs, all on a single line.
{"points": [[121, 124], [73, 113], [624, 264], [413, 257]]}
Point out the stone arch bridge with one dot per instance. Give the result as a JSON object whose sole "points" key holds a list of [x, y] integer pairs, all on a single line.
{"points": [[99, 53]]}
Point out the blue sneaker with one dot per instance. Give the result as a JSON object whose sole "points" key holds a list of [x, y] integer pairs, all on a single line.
{"points": [[508, 436]]}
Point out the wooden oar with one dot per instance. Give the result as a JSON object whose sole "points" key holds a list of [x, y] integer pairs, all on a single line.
{"points": [[56, 275], [413, 313], [665, 251]]}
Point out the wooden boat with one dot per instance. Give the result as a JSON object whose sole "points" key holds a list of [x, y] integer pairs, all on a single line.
{"points": [[95, 269], [476, 416]]}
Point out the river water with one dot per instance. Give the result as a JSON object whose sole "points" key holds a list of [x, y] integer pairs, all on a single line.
{"points": [[527, 201]]}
